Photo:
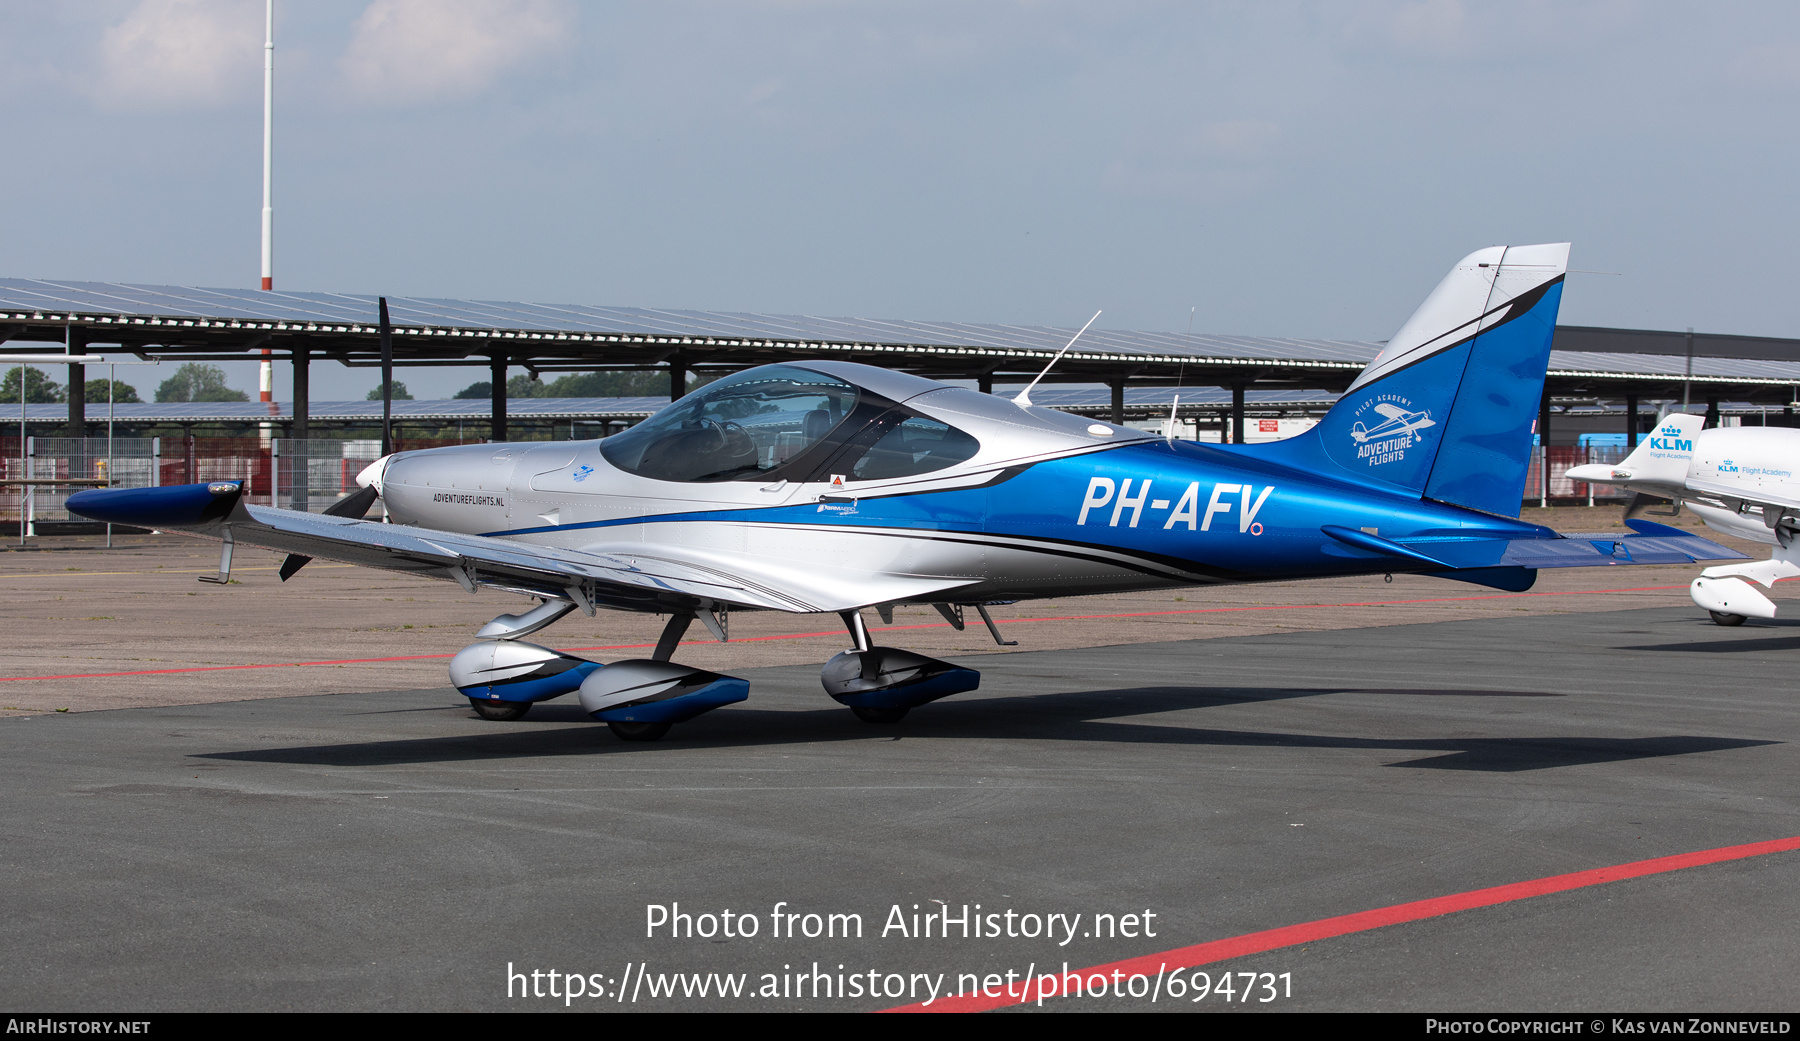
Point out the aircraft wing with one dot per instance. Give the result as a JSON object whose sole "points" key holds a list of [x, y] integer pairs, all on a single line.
{"points": [[642, 577], [1757, 495], [1391, 410]]}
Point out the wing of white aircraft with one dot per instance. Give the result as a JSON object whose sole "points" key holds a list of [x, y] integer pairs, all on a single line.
{"points": [[1391, 411]]}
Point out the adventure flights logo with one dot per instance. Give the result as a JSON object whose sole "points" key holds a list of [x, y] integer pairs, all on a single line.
{"points": [[1396, 428]]}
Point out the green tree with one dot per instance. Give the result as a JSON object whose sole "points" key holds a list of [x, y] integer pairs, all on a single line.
{"points": [[651, 383], [400, 392], [39, 388], [123, 393], [198, 381], [611, 385]]}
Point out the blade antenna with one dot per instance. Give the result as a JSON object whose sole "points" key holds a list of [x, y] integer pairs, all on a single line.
{"points": [[1173, 409], [1023, 398]]}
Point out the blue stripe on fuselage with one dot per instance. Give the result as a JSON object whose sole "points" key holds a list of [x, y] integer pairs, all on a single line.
{"points": [[1215, 509]]}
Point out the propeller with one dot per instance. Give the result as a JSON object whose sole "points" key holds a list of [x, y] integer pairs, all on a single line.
{"points": [[355, 505]]}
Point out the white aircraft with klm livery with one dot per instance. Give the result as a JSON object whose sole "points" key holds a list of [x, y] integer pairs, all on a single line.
{"points": [[1741, 481], [833, 487]]}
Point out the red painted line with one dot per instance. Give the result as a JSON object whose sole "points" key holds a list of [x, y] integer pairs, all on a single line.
{"points": [[1362, 921], [837, 632]]}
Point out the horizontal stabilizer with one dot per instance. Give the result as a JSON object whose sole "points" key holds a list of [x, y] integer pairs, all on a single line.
{"points": [[1453, 557]]}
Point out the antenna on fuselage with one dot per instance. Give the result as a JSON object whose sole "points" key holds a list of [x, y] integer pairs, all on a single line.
{"points": [[1023, 398], [1172, 411]]}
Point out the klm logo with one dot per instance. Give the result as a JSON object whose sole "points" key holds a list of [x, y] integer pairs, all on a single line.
{"points": [[1728, 467], [1242, 500], [1672, 444]]}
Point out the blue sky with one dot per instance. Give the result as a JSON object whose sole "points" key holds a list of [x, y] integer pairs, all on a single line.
{"points": [[1281, 168]]}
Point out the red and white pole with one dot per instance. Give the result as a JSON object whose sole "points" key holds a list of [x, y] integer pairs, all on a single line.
{"points": [[268, 211], [266, 384]]}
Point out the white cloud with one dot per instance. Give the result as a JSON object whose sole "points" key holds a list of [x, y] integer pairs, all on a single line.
{"points": [[413, 51], [1211, 162], [1431, 26], [180, 54], [1243, 139], [1768, 65]]}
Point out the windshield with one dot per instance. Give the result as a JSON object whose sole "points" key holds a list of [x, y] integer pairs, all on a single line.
{"points": [[738, 428]]}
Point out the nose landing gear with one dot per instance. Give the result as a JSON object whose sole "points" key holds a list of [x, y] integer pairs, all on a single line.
{"points": [[882, 684]]}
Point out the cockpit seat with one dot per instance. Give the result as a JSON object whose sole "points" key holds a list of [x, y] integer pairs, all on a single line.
{"points": [[816, 425]]}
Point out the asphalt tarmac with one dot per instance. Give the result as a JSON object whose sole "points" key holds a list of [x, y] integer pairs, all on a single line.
{"points": [[389, 850]]}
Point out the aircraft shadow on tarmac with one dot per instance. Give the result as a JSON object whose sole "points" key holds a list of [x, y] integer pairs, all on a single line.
{"points": [[1074, 716], [1727, 645]]}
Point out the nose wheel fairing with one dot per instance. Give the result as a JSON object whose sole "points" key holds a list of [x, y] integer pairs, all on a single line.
{"points": [[890, 678]]}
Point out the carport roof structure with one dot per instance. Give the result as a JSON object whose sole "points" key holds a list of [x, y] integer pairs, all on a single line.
{"points": [[189, 323], [179, 321]]}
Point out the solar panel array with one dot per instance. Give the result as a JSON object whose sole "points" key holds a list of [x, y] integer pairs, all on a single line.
{"points": [[25, 297], [28, 298]]}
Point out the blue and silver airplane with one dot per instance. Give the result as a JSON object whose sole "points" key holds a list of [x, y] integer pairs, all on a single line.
{"points": [[825, 486]]}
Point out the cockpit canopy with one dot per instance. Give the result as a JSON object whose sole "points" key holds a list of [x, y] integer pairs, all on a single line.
{"points": [[784, 421]]}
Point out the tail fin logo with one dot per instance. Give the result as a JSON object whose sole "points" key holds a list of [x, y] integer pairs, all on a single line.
{"points": [[1396, 428]]}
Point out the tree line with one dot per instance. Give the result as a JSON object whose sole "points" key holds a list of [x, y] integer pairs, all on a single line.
{"points": [[194, 381]]}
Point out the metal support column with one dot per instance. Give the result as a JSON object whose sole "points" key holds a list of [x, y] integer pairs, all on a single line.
{"points": [[1544, 448], [1712, 413], [77, 391], [299, 465], [677, 377], [1631, 421], [302, 394], [1237, 413], [1118, 402], [985, 383], [387, 380], [497, 425]]}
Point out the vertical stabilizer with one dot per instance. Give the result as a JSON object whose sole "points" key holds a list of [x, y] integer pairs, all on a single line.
{"points": [[1660, 461], [1446, 410]]}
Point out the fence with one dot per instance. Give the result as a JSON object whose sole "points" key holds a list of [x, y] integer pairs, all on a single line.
{"points": [[1558, 459], [313, 474]]}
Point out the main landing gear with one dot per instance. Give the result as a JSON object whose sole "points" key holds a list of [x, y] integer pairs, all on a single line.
{"points": [[638, 699]]}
